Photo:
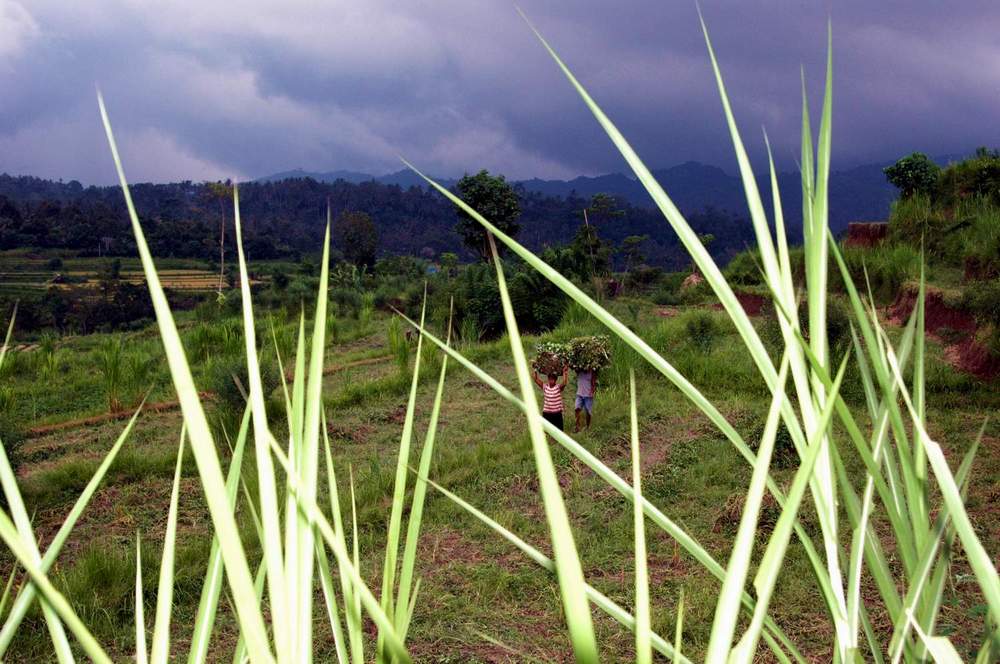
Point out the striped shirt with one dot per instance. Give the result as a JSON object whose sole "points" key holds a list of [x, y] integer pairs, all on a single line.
{"points": [[552, 401]]}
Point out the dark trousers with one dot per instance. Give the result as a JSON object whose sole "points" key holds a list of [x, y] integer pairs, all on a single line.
{"points": [[555, 418]]}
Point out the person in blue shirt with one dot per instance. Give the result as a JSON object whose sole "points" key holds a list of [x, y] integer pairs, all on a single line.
{"points": [[586, 384]]}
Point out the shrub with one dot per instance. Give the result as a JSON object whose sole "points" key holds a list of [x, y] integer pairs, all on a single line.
{"points": [[222, 374], [744, 268], [346, 301], [701, 329], [12, 432], [398, 344], [888, 267]]}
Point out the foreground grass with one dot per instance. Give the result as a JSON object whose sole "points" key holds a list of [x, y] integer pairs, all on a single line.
{"points": [[473, 582]]}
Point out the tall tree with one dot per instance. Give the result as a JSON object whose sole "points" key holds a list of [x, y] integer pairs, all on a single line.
{"points": [[355, 234], [492, 197]]}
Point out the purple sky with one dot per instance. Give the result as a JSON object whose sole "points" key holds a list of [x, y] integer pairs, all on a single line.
{"points": [[200, 90]]}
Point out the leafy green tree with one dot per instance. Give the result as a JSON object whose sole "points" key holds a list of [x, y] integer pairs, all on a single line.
{"points": [[914, 174], [492, 197], [449, 263], [602, 208], [355, 234], [631, 250], [591, 254]]}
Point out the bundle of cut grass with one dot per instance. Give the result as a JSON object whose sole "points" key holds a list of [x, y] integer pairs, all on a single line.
{"points": [[589, 353], [550, 358]]}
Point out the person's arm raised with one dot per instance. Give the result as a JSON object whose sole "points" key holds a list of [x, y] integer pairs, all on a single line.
{"points": [[534, 377]]}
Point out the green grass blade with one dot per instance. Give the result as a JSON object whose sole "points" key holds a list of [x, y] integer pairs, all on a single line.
{"points": [[643, 631], [570, 571], [53, 599], [19, 514], [385, 626], [727, 608], [770, 564], [28, 594], [976, 554], [7, 588], [356, 648], [140, 618], [940, 648], [308, 467], [399, 486], [160, 653], [928, 557], [330, 597], [417, 510], [202, 444], [9, 335], [616, 612], [211, 589], [757, 217], [679, 628], [270, 517], [352, 617]]}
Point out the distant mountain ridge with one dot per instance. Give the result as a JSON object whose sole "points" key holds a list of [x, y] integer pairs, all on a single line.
{"points": [[859, 193]]}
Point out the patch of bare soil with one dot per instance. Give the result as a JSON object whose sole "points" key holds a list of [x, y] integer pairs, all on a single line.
{"points": [[942, 321], [751, 303], [159, 407]]}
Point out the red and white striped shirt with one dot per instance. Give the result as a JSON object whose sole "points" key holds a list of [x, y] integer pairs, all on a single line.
{"points": [[552, 400]]}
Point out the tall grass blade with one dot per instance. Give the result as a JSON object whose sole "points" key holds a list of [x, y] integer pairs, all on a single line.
{"points": [[9, 335], [417, 506], [141, 656], [52, 597], [570, 572], [352, 615], [399, 487], [208, 605], [270, 517], [308, 466], [728, 606], [165, 589], [15, 503], [770, 565], [28, 593], [385, 626], [202, 444], [679, 628], [643, 648]]}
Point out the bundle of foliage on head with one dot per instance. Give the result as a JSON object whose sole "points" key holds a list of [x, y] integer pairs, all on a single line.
{"points": [[591, 353], [550, 358]]}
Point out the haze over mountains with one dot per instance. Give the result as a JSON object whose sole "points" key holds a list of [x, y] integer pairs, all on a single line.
{"points": [[856, 194]]}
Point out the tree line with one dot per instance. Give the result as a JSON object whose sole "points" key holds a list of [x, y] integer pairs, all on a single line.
{"points": [[286, 219]]}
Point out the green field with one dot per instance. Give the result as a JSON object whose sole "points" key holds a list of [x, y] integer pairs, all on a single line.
{"points": [[473, 582]]}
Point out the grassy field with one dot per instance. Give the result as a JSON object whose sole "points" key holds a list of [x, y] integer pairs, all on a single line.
{"points": [[474, 584]]}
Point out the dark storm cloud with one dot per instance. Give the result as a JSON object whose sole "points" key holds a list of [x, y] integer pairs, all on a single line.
{"points": [[204, 90]]}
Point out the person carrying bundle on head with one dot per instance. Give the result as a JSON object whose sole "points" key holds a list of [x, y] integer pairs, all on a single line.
{"points": [[552, 399]]}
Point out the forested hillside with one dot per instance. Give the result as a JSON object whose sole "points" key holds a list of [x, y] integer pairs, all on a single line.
{"points": [[286, 218]]}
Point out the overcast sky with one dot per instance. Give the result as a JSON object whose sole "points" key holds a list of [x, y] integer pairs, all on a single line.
{"points": [[205, 90]]}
